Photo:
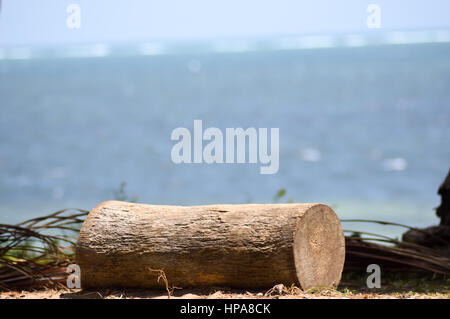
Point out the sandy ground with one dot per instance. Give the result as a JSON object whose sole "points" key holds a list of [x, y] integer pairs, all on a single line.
{"points": [[352, 286], [277, 292]]}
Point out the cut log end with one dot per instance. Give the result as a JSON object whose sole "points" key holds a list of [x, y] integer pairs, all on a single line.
{"points": [[319, 248]]}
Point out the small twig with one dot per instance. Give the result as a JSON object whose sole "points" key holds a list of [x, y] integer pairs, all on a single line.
{"points": [[162, 275]]}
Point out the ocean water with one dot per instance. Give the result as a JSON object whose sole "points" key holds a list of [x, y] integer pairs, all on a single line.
{"points": [[363, 129]]}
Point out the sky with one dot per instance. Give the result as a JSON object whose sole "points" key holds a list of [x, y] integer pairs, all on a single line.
{"points": [[43, 22]]}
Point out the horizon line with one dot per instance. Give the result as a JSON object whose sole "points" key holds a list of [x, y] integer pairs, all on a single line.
{"points": [[226, 45]]}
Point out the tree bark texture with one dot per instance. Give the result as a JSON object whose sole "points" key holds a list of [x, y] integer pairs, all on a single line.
{"points": [[243, 246]]}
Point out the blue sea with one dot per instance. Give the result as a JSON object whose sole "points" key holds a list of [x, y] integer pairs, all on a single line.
{"points": [[363, 128]]}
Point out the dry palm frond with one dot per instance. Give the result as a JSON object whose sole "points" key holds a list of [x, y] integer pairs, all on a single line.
{"points": [[34, 252], [398, 256]]}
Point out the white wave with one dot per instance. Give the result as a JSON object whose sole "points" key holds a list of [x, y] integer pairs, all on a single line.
{"points": [[304, 42], [288, 43], [100, 50], [84, 51], [358, 40], [314, 42], [310, 155], [395, 164], [355, 40], [153, 48], [416, 37], [442, 36], [232, 46]]}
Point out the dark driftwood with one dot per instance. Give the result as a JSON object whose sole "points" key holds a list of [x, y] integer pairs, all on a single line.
{"points": [[247, 246], [437, 237], [443, 211]]}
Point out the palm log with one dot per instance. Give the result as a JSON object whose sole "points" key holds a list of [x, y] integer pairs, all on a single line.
{"points": [[243, 246]]}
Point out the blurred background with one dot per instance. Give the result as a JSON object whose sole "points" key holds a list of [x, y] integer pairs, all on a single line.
{"points": [[363, 113]]}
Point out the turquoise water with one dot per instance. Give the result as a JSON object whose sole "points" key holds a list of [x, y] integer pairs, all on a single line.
{"points": [[364, 129]]}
